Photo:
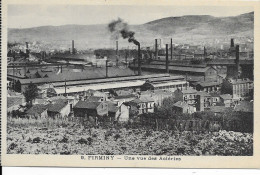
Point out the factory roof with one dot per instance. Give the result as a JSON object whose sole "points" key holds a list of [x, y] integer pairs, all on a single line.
{"points": [[81, 78], [160, 84], [208, 84], [180, 68], [160, 79], [109, 85], [188, 91]]}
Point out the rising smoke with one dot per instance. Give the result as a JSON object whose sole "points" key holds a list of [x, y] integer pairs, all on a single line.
{"points": [[119, 27]]}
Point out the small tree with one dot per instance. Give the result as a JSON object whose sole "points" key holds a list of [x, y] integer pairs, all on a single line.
{"points": [[166, 110], [31, 92]]}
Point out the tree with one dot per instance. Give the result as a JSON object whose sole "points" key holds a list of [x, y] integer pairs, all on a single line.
{"points": [[166, 110], [31, 92]]}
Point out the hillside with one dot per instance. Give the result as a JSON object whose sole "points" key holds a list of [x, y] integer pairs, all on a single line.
{"points": [[184, 29]]}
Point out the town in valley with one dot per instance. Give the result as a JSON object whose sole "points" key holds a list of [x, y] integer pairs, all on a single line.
{"points": [[158, 97]]}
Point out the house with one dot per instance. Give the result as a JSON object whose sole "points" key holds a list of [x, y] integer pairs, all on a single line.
{"points": [[14, 103], [124, 98], [118, 112], [239, 88], [219, 110], [91, 92], [208, 86], [158, 96], [215, 99], [58, 109], [188, 96], [37, 111], [226, 100], [204, 101], [182, 107], [86, 109], [95, 99], [142, 105]]}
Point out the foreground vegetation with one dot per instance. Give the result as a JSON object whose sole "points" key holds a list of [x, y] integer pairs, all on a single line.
{"points": [[71, 138]]}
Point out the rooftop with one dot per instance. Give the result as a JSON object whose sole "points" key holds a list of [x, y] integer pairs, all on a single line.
{"points": [[180, 104], [188, 91], [57, 106], [87, 105], [125, 96], [37, 109], [218, 109], [112, 107], [226, 96], [94, 99], [202, 93], [208, 84], [13, 101]]}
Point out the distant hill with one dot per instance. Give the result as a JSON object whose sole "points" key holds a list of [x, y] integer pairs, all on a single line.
{"points": [[184, 29]]}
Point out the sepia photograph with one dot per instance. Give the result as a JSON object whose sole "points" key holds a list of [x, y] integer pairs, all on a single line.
{"points": [[100, 81]]}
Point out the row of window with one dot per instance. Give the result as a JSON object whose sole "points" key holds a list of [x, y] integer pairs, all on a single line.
{"points": [[172, 86]]}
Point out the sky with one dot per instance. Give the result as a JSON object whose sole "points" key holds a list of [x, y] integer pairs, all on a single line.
{"points": [[26, 16]]}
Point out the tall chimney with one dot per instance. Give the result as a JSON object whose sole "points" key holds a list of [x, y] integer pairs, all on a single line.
{"points": [[72, 48], [116, 47], [237, 60], [205, 52], [106, 69], [232, 42], [167, 59], [139, 60], [171, 48], [27, 48], [156, 49]]}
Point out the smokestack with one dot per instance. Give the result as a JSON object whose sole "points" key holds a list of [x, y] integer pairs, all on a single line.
{"points": [[232, 42], [106, 69], [167, 59], [73, 50], [171, 48], [156, 49], [27, 48], [237, 60], [116, 47], [139, 60], [126, 55], [205, 52]]}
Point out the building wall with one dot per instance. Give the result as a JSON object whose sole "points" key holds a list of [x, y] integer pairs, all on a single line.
{"points": [[65, 111], [102, 109], [203, 103], [122, 115]]}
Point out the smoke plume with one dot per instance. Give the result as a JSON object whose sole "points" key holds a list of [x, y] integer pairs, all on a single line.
{"points": [[119, 27]]}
